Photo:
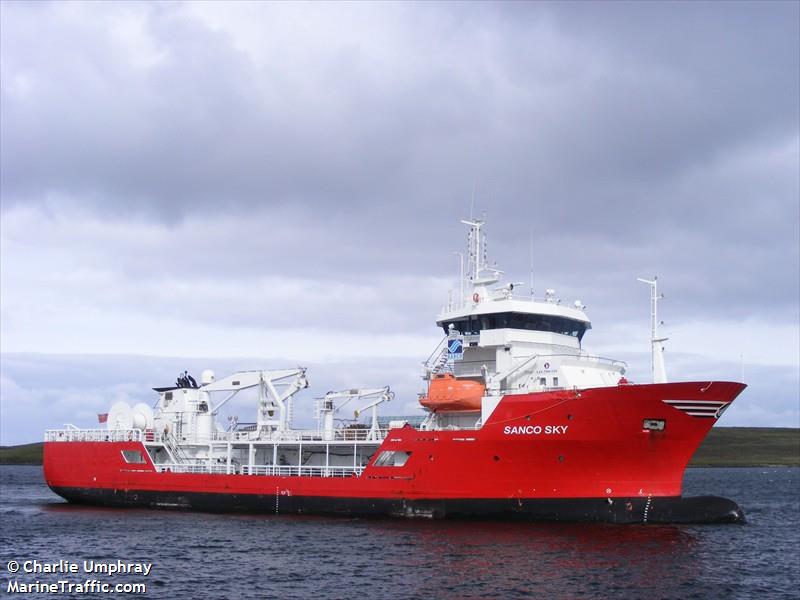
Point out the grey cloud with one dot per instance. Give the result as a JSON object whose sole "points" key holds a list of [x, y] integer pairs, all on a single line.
{"points": [[152, 148], [207, 128], [45, 391]]}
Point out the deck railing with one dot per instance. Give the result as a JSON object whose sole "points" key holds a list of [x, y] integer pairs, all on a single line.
{"points": [[264, 470], [150, 435], [292, 471], [181, 468], [295, 435], [93, 435]]}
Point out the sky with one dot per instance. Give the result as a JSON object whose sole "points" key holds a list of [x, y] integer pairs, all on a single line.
{"points": [[262, 185]]}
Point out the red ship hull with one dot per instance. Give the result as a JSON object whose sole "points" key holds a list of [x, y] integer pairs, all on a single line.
{"points": [[560, 455]]}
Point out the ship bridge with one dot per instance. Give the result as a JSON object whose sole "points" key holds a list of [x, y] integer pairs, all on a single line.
{"points": [[482, 308], [509, 343], [524, 314]]}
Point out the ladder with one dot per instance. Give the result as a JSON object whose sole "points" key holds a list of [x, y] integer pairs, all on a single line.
{"points": [[174, 450], [437, 363]]}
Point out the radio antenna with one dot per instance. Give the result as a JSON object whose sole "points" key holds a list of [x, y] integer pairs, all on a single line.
{"points": [[472, 201], [531, 259]]}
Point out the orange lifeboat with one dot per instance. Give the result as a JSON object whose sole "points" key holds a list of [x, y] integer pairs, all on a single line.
{"points": [[446, 393]]}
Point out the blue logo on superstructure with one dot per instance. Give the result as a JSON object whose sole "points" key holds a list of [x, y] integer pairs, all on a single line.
{"points": [[455, 349]]}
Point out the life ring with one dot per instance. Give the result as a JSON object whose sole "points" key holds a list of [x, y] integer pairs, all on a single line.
{"points": [[476, 297]]}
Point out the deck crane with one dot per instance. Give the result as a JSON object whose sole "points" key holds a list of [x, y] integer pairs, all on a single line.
{"points": [[328, 406]]}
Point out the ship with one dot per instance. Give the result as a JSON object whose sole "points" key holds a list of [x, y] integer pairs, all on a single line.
{"points": [[518, 422]]}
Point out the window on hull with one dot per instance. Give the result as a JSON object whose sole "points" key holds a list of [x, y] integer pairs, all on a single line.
{"points": [[553, 324], [133, 456], [391, 458]]}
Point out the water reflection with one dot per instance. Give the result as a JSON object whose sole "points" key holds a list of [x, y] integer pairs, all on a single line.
{"points": [[479, 559]]}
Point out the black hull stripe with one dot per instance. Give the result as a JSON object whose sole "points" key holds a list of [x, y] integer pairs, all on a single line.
{"points": [[700, 509]]}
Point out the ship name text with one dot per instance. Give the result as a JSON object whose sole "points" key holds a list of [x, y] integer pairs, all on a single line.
{"points": [[535, 429]]}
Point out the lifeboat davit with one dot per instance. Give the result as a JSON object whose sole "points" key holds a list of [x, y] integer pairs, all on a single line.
{"points": [[446, 393]]}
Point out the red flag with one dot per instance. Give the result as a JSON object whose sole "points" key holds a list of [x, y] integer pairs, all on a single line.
{"points": [[102, 418]]}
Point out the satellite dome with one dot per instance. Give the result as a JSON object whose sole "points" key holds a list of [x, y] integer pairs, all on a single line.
{"points": [[207, 377]]}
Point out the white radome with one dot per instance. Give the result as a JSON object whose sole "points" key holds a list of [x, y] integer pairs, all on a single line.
{"points": [[207, 377], [120, 416], [142, 416]]}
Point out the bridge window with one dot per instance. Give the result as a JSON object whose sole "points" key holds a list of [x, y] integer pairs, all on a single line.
{"points": [[474, 324]]}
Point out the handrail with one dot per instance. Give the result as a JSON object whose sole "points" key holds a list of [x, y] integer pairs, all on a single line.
{"points": [[183, 468], [93, 435], [262, 470], [436, 351], [593, 357], [292, 436], [499, 295], [545, 356], [292, 471], [156, 437]]}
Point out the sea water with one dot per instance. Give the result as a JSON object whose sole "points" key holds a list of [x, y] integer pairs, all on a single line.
{"points": [[197, 555]]}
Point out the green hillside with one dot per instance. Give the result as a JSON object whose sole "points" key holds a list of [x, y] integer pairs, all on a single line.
{"points": [[749, 446], [26, 454]]}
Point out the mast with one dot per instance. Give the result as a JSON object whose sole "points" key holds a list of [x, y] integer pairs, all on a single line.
{"points": [[657, 369], [460, 275], [476, 264]]}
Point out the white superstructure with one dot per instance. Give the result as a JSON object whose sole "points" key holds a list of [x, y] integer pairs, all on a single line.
{"points": [[183, 433], [510, 342]]}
